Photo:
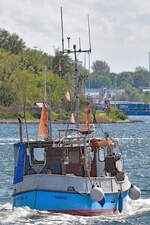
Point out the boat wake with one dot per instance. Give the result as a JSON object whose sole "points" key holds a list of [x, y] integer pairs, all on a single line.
{"points": [[24, 215]]}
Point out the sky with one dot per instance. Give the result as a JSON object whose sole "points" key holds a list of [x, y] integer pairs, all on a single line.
{"points": [[120, 29]]}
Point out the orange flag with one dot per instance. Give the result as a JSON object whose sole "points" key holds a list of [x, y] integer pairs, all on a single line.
{"points": [[68, 96], [72, 119], [86, 125], [43, 128]]}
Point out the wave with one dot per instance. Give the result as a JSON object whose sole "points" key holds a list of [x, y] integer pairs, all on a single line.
{"points": [[24, 215], [9, 139], [3, 141], [138, 206]]}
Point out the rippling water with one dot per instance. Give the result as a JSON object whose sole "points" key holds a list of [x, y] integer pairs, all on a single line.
{"points": [[134, 141]]}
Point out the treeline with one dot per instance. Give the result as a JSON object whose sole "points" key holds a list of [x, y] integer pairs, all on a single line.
{"points": [[22, 77], [133, 83]]}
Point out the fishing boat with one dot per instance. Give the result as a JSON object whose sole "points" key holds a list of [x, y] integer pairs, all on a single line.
{"points": [[73, 173]]}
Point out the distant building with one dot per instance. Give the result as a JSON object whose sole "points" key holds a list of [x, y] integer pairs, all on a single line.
{"points": [[102, 93]]}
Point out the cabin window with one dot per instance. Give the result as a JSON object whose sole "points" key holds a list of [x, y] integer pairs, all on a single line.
{"points": [[39, 154], [101, 154], [37, 159]]}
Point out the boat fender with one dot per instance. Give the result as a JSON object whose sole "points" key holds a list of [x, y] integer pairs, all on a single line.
{"points": [[134, 192], [96, 194], [102, 202]]}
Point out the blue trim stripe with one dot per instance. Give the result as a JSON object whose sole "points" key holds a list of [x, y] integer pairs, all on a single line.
{"points": [[43, 200]]}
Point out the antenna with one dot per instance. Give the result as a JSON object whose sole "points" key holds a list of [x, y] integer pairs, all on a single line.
{"points": [[62, 30], [49, 114], [79, 44], [89, 34], [85, 60], [75, 51], [68, 38]]}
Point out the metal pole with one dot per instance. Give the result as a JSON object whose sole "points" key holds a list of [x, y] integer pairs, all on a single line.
{"points": [[49, 114], [89, 69], [149, 70], [86, 170], [76, 85], [45, 84], [62, 29], [20, 130]]}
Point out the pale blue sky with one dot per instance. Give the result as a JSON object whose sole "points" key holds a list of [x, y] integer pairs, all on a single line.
{"points": [[120, 29]]}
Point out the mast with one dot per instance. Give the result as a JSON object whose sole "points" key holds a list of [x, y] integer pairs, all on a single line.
{"points": [[62, 29], [75, 51], [49, 114], [76, 85]]}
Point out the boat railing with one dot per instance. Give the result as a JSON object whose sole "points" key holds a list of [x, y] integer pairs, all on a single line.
{"points": [[73, 141], [67, 131]]}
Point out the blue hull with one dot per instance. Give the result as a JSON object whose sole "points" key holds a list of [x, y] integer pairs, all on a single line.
{"points": [[79, 204]]}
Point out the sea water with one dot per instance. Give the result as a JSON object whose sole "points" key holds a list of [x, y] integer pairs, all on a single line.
{"points": [[134, 139]]}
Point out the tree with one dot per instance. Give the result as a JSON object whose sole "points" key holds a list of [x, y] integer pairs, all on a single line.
{"points": [[141, 79], [39, 57], [83, 75], [23, 88], [8, 65], [123, 80], [11, 42], [58, 88], [140, 69], [99, 81], [31, 63], [101, 67], [62, 64]]}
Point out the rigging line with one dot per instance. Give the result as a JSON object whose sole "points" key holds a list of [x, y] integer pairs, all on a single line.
{"points": [[27, 135]]}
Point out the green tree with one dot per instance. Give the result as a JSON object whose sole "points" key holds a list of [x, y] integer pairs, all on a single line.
{"points": [[123, 80], [66, 62], [141, 79], [23, 88], [31, 63], [39, 58], [11, 42], [8, 65], [58, 88], [101, 67], [99, 81], [83, 75]]}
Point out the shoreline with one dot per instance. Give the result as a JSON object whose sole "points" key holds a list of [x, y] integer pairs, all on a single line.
{"points": [[15, 121]]}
